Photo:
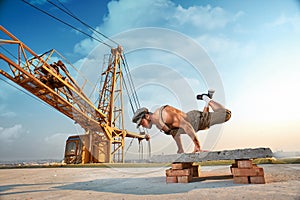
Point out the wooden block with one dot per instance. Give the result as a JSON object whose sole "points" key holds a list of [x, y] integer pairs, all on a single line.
{"points": [[241, 179], [257, 179], [196, 170], [184, 179], [182, 165], [171, 179], [178, 172], [256, 171], [244, 164]]}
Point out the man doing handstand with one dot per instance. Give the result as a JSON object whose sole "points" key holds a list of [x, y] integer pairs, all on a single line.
{"points": [[175, 122]]}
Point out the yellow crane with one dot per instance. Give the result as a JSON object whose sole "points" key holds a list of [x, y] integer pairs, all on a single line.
{"points": [[51, 82]]}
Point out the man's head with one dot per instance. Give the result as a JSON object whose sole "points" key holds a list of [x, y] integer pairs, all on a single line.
{"points": [[140, 117]]}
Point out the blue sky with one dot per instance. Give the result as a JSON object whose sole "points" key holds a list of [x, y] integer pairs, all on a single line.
{"points": [[253, 45]]}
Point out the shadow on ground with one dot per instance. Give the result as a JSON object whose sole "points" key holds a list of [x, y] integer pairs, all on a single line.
{"points": [[145, 186], [23, 188]]}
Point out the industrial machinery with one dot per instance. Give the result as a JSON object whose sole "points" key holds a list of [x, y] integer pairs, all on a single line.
{"points": [[47, 76]]}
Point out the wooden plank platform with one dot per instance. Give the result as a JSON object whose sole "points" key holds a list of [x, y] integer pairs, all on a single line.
{"points": [[235, 154]]}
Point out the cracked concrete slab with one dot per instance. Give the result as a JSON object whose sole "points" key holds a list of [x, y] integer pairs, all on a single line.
{"points": [[215, 155]]}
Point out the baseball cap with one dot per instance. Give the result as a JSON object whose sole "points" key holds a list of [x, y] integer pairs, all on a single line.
{"points": [[138, 115]]}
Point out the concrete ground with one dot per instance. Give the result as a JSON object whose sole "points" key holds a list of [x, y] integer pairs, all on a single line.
{"points": [[283, 182]]}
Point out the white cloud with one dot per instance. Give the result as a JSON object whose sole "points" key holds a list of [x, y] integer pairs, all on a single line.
{"points": [[283, 20], [203, 17], [85, 46], [124, 15], [8, 135], [127, 14]]}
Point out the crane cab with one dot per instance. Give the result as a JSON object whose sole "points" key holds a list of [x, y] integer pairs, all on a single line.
{"points": [[88, 148]]}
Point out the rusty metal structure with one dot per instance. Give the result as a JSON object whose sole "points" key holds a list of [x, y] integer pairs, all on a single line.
{"points": [[47, 77]]}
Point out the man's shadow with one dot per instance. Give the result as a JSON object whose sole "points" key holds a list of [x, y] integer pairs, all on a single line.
{"points": [[148, 186]]}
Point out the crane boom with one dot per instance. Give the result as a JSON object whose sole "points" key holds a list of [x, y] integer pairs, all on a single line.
{"points": [[47, 77]]}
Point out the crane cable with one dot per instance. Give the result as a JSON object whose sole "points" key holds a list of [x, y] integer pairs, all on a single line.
{"points": [[137, 105], [56, 18], [68, 12], [131, 84]]}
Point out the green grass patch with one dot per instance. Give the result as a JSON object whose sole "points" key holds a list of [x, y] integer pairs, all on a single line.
{"points": [[119, 165], [150, 165]]}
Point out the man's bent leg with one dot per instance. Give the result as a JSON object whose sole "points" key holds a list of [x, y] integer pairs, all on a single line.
{"points": [[215, 105], [220, 115]]}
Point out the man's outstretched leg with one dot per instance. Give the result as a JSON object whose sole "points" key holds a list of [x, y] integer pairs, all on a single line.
{"points": [[220, 114]]}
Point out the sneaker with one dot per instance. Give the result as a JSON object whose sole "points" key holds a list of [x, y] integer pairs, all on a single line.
{"points": [[200, 96], [209, 94]]}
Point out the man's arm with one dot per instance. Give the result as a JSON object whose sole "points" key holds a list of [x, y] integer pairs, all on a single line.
{"points": [[176, 119], [180, 122], [177, 139]]}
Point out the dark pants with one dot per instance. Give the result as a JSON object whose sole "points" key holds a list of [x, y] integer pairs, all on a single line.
{"points": [[202, 120]]}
